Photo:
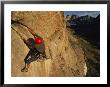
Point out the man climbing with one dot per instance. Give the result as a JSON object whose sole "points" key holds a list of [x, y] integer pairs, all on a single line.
{"points": [[36, 46], [37, 50]]}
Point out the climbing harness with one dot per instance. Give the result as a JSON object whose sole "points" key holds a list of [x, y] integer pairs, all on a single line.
{"points": [[36, 46]]}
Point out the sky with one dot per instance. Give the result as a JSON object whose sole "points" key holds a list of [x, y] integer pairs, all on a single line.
{"points": [[83, 13]]}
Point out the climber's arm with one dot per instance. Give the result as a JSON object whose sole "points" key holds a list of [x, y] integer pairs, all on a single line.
{"points": [[33, 33]]}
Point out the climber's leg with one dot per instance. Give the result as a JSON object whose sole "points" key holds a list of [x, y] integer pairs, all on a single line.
{"points": [[33, 55], [26, 67], [27, 62]]}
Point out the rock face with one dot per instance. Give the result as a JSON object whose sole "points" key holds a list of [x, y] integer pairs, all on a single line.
{"points": [[64, 59]]}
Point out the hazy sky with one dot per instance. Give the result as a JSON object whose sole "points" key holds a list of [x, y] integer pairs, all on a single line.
{"points": [[82, 13]]}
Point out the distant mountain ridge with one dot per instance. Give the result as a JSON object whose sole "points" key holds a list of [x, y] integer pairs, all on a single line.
{"points": [[86, 26]]}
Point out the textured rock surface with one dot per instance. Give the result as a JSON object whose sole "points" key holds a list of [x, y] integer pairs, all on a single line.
{"points": [[64, 59]]}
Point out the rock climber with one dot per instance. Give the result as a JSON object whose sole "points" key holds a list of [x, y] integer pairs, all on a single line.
{"points": [[36, 46], [37, 50]]}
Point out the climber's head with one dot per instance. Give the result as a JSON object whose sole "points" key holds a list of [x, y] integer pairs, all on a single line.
{"points": [[38, 40]]}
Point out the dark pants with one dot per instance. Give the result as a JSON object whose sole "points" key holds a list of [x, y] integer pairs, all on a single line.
{"points": [[33, 55]]}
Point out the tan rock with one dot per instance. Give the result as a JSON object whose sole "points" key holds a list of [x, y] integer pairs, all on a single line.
{"points": [[64, 60]]}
